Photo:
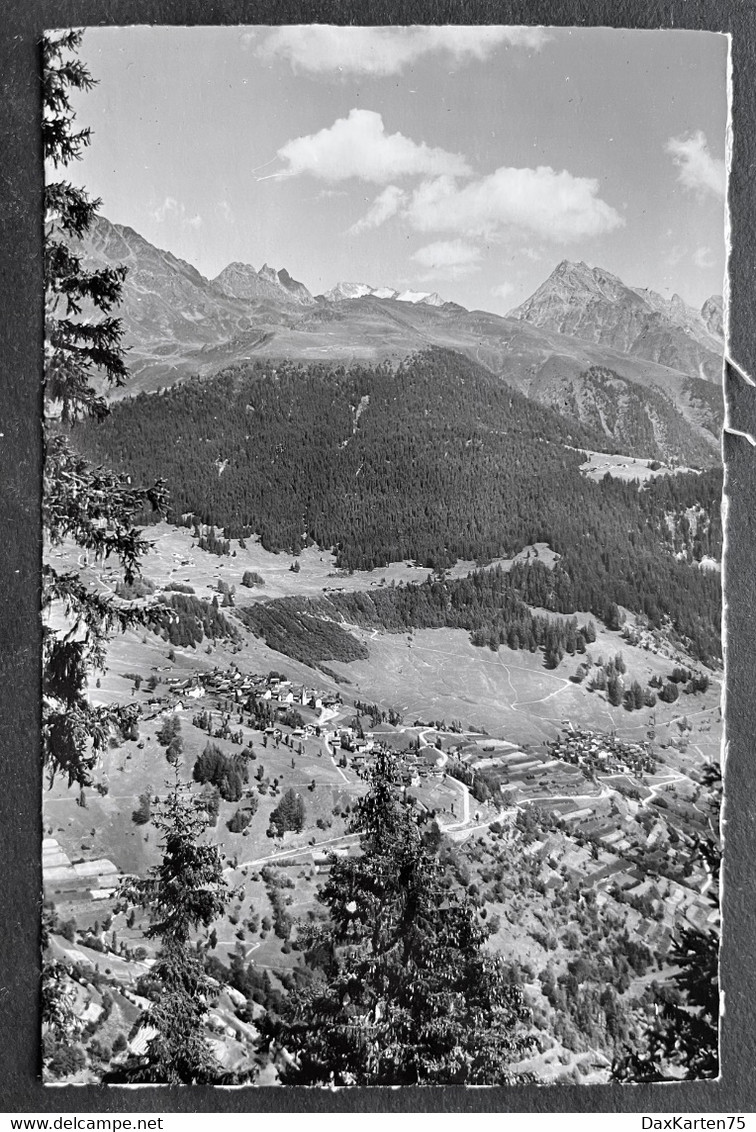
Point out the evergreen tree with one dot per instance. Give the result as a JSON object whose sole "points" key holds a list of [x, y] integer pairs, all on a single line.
{"points": [[61, 1024], [288, 814], [405, 992], [614, 689], [169, 729], [175, 749], [184, 892], [143, 813], [94, 507], [669, 693], [252, 578], [613, 617]]}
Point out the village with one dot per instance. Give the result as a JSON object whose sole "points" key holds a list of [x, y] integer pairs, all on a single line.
{"points": [[607, 817]]}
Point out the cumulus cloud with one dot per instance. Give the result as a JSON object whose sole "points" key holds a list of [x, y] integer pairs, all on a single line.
{"points": [[385, 205], [553, 205], [172, 209], [323, 49], [697, 169], [358, 146], [448, 259], [169, 205]]}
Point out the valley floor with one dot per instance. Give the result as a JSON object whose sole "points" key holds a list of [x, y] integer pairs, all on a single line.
{"points": [[569, 818]]}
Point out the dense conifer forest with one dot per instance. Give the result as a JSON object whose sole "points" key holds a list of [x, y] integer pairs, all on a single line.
{"points": [[289, 628], [494, 606], [192, 620], [299, 454], [434, 460]]}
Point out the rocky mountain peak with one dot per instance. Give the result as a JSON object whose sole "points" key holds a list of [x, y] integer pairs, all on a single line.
{"points": [[237, 265], [571, 268], [241, 281], [712, 313], [592, 304]]}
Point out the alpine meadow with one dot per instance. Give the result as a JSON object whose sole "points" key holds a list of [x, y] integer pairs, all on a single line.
{"points": [[382, 656]]}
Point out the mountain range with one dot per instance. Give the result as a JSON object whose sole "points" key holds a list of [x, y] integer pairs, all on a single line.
{"points": [[344, 291], [643, 369], [241, 281], [591, 304]]}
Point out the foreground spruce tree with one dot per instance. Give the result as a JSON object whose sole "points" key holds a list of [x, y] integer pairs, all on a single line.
{"points": [[405, 992], [183, 893], [61, 1027], [90, 506]]}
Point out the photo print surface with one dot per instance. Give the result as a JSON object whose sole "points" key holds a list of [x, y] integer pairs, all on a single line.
{"points": [[382, 584]]}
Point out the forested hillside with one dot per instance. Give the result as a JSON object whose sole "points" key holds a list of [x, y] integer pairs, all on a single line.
{"points": [[435, 461], [630, 415], [494, 606], [325, 455]]}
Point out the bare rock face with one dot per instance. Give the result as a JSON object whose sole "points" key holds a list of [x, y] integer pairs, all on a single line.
{"points": [[712, 313], [165, 302], [594, 305], [241, 281], [296, 289], [175, 319]]}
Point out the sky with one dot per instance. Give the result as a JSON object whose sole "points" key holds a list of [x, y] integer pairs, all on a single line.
{"points": [[464, 160]]}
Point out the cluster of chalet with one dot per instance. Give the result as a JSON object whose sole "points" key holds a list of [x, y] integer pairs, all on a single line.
{"points": [[413, 766], [596, 752], [242, 689]]}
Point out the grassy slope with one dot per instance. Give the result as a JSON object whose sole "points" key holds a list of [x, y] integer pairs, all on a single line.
{"points": [[432, 674]]}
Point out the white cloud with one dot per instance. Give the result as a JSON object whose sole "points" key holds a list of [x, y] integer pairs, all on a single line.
{"points": [[555, 206], [172, 209], [448, 259], [697, 169], [504, 291], [224, 208], [169, 205], [324, 49], [358, 146], [702, 257], [385, 205]]}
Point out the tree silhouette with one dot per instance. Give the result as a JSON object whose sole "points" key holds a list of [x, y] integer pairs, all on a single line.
{"points": [[184, 892], [89, 505], [288, 814], [404, 991], [61, 1025]]}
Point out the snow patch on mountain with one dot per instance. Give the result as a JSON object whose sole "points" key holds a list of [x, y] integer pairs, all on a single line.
{"points": [[344, 291]]}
